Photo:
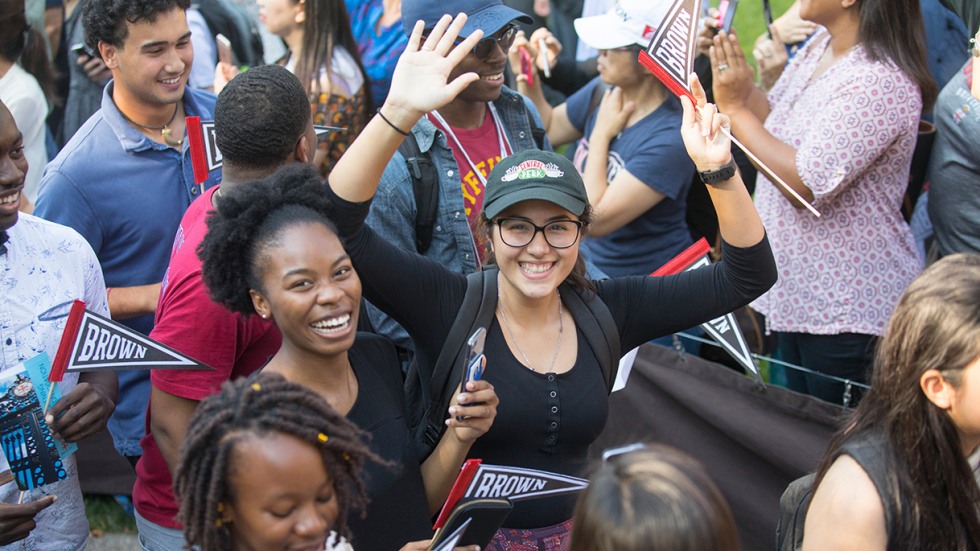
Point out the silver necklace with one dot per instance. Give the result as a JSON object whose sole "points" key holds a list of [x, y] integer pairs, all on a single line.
{"points": [[561, 331]]}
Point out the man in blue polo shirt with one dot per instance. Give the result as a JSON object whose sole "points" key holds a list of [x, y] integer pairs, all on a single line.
{"points": [[124, 179]]}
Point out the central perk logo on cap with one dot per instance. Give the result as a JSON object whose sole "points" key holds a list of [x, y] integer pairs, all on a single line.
{"points": [[532, 170]]}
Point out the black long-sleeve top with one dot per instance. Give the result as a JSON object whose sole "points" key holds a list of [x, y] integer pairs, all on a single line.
{"points": [[544, 421]]}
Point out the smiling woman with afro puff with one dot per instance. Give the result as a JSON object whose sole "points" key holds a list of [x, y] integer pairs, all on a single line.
{"points": [[270, 250]]}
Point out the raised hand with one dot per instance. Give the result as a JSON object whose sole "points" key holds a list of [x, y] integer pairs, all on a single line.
{"points": [[707, 145], [732, 78], [770, 58], [709, 28], [420, 82], [533, 47]]}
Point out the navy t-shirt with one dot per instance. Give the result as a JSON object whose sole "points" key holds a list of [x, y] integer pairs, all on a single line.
{"points": [[651, 150]]}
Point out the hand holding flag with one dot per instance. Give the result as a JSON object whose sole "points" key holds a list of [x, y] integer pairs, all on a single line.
{"points": [[670, 57], [703, 130]]}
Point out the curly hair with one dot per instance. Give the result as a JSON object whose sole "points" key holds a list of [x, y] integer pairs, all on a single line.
{"points": [[259, 117], [655, 497], [107, 20], [245, 408], [250, 219]]}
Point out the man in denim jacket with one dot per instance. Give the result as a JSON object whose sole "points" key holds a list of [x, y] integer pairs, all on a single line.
{"points": [[464, 139]]}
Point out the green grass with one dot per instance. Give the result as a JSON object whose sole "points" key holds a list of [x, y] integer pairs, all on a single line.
{"points": [[107, 516]]}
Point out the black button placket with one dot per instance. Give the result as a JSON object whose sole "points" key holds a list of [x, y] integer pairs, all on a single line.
{"points": [[553, 414]]}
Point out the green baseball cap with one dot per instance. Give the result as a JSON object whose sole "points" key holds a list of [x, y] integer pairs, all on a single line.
{"points": [[534, 174]]}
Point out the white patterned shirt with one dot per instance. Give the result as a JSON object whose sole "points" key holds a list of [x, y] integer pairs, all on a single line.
{"points": [[46, 267], [854, 129]]}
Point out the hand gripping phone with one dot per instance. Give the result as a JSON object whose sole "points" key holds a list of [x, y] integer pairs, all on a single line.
{"points": [[224, 49], [82, 49], [526, 68]]}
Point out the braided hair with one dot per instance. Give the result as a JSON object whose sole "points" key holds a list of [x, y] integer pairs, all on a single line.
{"points": [[256, 406], [248, 221]]}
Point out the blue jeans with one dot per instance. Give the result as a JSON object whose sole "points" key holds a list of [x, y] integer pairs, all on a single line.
{"points": [[154, 537], [847, 355]]}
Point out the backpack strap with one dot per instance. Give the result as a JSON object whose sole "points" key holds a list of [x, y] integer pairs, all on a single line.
{"points": [[425, 186], [597, 324], [477, 310]]}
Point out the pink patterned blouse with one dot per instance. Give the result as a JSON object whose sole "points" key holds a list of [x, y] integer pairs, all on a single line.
{"points": [[854, 128]]}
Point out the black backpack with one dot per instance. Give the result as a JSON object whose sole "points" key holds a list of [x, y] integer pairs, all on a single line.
{"points": [[428, 404], [425, 182]]}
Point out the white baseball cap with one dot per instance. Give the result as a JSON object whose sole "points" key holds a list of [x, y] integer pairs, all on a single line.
{"points": [[628, 22]]}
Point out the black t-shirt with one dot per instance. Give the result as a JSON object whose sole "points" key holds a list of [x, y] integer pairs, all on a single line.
{"points": [[544, 421], [397, 512]]}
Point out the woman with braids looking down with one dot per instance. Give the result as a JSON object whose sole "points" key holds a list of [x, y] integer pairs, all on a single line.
{"points": [[267, 463]]}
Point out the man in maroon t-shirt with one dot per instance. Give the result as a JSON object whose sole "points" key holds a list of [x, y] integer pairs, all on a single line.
{"points": [[464, 140], [262, 122]]}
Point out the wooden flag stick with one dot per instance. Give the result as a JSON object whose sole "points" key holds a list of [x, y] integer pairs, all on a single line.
{"points": [[772, 175], [768, 171], [47, 401], [21, 498], [679, 90]]}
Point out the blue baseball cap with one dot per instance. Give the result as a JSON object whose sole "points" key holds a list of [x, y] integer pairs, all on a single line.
{"points": [[487, 15]]}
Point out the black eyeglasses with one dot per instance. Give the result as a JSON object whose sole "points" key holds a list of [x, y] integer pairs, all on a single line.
{"points": [[518, 232], [484, 48]]}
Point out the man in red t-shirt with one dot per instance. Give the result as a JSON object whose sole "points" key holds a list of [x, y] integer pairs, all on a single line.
{"points": [[464, 140], [262, 122]]}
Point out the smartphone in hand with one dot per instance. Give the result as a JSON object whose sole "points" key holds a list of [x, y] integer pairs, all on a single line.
{"points": [[473, 368], [526, 68], [767, 13], [81, 49], [224, 49], [727, 9]]}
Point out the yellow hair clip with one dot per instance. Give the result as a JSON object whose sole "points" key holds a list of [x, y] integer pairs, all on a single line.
{"points": [[322, 437], [346, 456], [256, 386]]}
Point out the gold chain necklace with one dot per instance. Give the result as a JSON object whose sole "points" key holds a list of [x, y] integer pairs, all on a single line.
{"points": [[561, 331], [164, 130]]}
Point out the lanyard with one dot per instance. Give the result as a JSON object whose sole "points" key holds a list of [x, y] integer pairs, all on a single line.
{"points": [[502, 140]]}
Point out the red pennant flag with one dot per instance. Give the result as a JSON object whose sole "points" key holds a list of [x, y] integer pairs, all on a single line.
{"points": [[195, 142], [724, 329], [687, 257], [463, 480], [67, 342]]}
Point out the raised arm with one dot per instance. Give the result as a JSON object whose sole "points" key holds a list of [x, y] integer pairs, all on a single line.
{"points": [[418, 85], [710, 149]]}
